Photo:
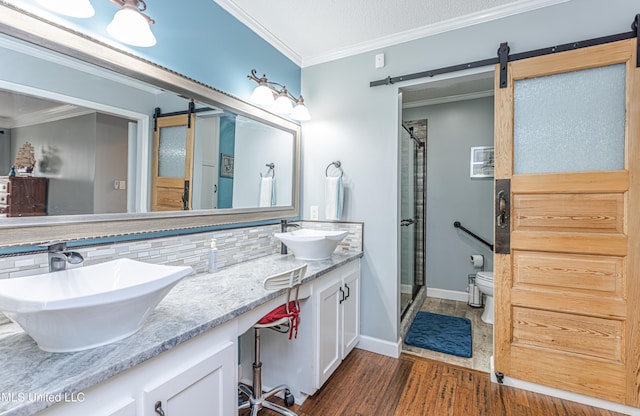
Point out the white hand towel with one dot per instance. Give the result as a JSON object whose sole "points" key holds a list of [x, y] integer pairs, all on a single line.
{"points": [[333, 195], [267, 192]]}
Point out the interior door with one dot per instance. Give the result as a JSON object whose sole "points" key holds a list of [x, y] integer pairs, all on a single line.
{"points": [[172, 180], [567, 199]]}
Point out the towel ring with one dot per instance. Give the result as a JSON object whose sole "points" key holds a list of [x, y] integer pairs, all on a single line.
{"points": [[337, 164], [272, 169]]}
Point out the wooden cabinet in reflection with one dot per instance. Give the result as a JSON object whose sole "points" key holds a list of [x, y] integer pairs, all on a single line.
{"points": [[23, 196]]}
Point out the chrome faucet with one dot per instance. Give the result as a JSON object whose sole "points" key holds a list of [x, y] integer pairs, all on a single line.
{"points": [[59, 257], [284, 227]]}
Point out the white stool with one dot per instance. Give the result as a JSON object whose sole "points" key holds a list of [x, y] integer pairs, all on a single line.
{"points": [[282, 319]]}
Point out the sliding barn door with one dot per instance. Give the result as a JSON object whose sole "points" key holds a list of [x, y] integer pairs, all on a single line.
{"points": [[567, 174], [172, 180]]}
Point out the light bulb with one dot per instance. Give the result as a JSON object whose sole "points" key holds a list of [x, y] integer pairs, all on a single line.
{"points": [[282, 105], [300, 112], [130, 27], [262, 95]]}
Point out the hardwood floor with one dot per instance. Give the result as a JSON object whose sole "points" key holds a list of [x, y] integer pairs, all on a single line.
{"points": [[368, 384]]}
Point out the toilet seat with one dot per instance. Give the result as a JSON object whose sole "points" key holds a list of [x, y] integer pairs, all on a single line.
{"points": [[484, 281], [485, 277]]}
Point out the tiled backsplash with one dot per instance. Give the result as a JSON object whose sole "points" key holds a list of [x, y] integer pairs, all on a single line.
{"points": [[234, 246]]}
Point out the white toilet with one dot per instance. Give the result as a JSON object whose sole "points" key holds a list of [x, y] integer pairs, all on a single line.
{"points": [[484, 281]]}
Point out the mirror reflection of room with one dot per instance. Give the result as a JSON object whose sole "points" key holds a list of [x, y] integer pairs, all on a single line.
{"points": [[88, 145]]}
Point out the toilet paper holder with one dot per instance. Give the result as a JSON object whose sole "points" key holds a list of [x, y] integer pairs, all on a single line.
{"points": [[477, 260]]}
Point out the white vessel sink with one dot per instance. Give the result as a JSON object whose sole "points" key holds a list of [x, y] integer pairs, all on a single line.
{"points": [[78, 309], [307, 244]]}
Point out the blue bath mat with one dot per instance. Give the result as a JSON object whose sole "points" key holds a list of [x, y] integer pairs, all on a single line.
{"points": [[447, 334]]}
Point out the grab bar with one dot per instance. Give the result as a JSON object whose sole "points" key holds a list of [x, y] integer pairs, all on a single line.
{"points": [[458, 225]]}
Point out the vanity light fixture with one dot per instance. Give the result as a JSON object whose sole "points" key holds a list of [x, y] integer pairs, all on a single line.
{"points": [[279, 99], [74, 8], [130, 25]]}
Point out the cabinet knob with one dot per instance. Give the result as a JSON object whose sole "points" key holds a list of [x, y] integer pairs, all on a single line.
{"points": [[158, 408]]}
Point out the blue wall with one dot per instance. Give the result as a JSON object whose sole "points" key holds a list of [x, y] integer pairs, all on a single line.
{"points": [[199, 39]]}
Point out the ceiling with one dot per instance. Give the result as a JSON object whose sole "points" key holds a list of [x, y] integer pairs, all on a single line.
{"points": [[312, 31]]}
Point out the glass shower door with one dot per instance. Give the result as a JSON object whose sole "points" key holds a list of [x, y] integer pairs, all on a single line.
{"points": [[412, 175]]}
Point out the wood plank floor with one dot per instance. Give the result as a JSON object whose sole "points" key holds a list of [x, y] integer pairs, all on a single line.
{"points": [[368, 384]]}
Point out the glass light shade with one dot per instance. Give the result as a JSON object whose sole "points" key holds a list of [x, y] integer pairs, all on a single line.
{"points": [[130, 27], [282, 105], [262, 95], [73, 8], [300, 113]]}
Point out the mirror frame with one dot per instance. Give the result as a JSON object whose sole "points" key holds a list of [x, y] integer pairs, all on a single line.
{"points": [[27, 27]]}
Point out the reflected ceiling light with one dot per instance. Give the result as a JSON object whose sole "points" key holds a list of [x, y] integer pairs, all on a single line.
{"points": [[130, 25], [281, 100], [73, 8]]}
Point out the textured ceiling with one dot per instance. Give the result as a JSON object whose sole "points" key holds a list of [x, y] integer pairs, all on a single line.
{"points": [[314, 31]]}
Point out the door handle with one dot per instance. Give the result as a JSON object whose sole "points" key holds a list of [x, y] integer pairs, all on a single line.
{"points": [[185, 196], [502, 218], [502, 230], [342, 298], [158, 408], [348, 291]]}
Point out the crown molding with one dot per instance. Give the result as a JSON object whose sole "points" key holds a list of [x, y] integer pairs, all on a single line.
{"points": [[244, 18], [448, 99], [57, 113], [432, 29]]}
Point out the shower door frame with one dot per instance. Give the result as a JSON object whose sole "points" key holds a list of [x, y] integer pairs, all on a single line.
{"points": [[419, 215]]}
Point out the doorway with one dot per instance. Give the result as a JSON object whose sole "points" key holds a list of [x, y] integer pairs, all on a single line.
{"points": [[460, 116]]}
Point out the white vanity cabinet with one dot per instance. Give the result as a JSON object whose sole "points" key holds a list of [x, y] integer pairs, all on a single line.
{"points": [[199, 387], [196, 378], [337, 298]]}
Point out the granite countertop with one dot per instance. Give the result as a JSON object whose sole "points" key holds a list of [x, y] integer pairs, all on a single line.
{"points": [[30, 376]]}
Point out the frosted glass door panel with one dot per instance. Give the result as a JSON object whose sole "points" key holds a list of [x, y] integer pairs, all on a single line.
{"points": [[172, 152], [570, 122]]}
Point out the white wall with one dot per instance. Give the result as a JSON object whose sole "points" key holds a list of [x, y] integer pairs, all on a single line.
{"points": [[65, 152], [359, 125], [257, 144], [111, 164]]}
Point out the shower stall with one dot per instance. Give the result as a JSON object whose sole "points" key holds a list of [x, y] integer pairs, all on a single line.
{"points": [[413, 146]]}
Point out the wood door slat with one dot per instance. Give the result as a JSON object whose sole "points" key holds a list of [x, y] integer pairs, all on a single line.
{"points": [[584, 273], [590, 376], [561, 242], [583, 335], [567, 302], [591, 213], [615, 181]]}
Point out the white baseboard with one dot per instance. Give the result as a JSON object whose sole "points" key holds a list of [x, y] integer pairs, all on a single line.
{"points": [[447, 294], [379, 346], [566, 395]]}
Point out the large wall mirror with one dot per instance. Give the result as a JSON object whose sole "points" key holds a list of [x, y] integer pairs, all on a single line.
{"points": [[125, 146]]}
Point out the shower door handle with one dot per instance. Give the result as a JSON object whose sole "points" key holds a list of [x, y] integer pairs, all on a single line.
{"points": [[405, 222]]}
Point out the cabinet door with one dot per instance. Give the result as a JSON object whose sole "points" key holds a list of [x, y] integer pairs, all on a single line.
{"points": [[199, 387], [350, 312], [329, 328]]}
